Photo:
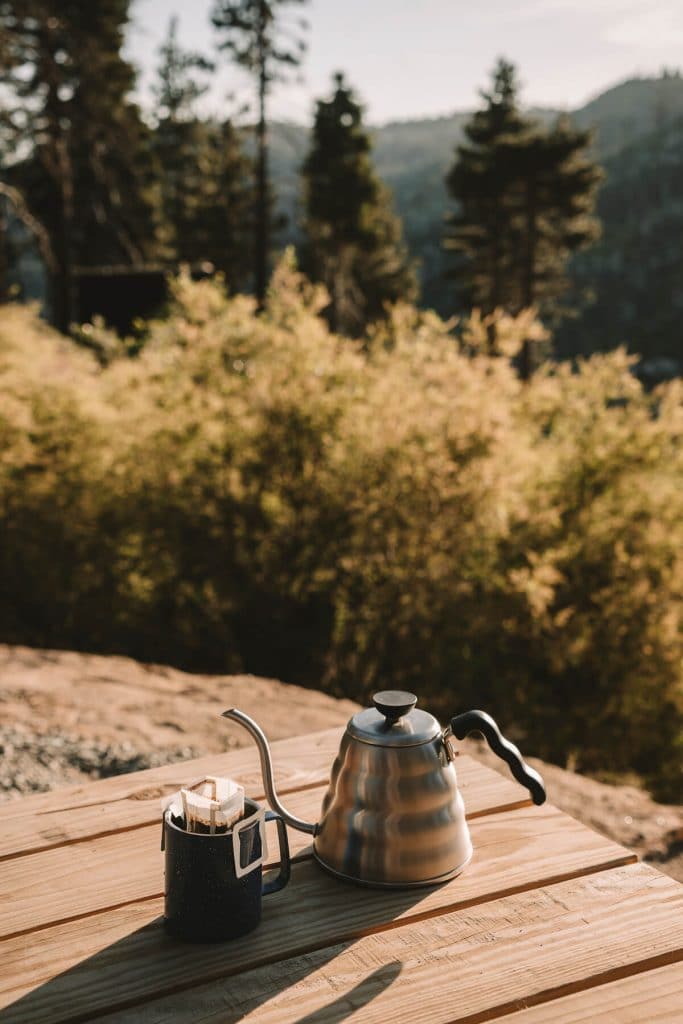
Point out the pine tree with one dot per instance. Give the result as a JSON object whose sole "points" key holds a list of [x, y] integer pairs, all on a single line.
{"points": [[181, 79], [353, 239], [551, 201], [478, 231], [220, 232], [526, 196], [203, 192], [82, 170], [254, 34]]}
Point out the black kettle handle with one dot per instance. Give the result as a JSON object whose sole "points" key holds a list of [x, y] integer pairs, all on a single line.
{"points": [[466, 723]]}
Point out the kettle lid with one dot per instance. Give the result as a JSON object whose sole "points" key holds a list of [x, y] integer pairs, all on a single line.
{"points": [[394, 721]]}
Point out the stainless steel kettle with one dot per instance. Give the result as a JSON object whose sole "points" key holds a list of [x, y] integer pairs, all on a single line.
{"points": [[393, 814]]}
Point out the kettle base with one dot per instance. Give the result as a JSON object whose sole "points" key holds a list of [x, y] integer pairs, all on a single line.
{"points": [[438, 880]]}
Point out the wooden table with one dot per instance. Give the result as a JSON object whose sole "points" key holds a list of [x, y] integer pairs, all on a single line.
{"points": [[550, 922]]}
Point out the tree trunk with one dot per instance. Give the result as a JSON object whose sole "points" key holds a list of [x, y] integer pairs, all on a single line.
{"points": [[64, 286], [529, 275], [58, 163], [495, 300], [4, 254], [261, 240], [529, 264], [496, 293], [333, 308]]}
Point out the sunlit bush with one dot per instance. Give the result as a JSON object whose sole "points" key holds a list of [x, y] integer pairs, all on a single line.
{"points": [[256, 493]]}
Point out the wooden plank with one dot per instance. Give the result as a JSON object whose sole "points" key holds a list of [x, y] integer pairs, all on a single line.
{"points": [[93, 963], [77, 814], [71, 881], [126, 801], [297, 755], [465, 967], [65, 882], [653, 997]]}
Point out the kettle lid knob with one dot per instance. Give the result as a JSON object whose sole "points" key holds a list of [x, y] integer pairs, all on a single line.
{"points": [[393, 704]]}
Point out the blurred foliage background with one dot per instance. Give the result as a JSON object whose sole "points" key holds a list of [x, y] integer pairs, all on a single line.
{"points": [[255, 492], [324, 480]]}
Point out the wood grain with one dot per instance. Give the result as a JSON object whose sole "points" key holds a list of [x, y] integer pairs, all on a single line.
{"points": [[121, 956], [67, 881], [651, 997], [469, 966], [298, 755], [77, 814], [127, 801], [71, 881]]}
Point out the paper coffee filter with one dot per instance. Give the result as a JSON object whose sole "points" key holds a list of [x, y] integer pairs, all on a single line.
{"points": [[212, 801]]}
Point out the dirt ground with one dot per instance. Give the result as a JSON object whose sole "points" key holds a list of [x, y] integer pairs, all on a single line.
{"points": [[65, 717]]}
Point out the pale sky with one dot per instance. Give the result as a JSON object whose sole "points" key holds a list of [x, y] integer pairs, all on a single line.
{"points": [[426, 58]]}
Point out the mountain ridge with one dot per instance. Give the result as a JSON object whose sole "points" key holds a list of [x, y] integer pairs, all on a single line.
{"points": [[413, 156]]}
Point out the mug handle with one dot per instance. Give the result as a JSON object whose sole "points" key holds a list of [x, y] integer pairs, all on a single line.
{"points": [[285, 862], [240, 872]]}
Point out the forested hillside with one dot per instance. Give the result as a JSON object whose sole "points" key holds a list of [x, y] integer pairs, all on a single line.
{"points": [[635, 272], [639, 138]]}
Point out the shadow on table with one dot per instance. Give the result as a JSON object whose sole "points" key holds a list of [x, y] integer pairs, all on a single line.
{"points": [[360, 995], [146, 976]]}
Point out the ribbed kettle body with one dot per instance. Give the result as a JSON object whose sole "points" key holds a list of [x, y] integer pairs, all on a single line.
{"points": [[393, 815]]}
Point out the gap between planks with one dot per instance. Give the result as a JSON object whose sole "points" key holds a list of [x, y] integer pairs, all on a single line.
{"points": [[511, 805], [300, 755], [521, 940], [562, 940], [499, 794], [608, 865], [336, 912], [501, 1012], [655, 996], [122, 868], [302, 762], [135, 826], [581, 985]]}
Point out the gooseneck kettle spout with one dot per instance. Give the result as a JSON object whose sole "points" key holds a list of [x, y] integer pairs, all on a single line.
{"points": [[267, 770]]}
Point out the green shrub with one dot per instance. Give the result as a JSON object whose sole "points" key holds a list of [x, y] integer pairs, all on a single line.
{"points": [[256, 493]]}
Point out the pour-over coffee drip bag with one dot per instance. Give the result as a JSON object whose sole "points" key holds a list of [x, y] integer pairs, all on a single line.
{"points": [[211, 805]]}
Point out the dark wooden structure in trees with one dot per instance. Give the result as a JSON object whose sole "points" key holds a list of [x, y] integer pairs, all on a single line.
{"points": [[121, 295]]}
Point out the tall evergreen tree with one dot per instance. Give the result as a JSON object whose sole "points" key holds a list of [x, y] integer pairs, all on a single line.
{"points": [[552, 194], [254, 33], [203, 176], [81, 142], [477, 231], [353, 239], [525, 199], [182, 79]]}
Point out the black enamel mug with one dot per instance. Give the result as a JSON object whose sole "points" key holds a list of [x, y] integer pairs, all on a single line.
{"points": [[214, 883]]}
